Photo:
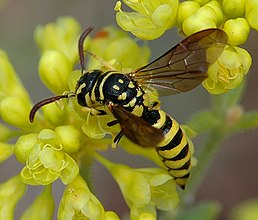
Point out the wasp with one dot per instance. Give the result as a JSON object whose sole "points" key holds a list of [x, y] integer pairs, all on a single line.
{"points": [[180, 69]]}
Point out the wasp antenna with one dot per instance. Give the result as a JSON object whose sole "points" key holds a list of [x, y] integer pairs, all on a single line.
{"points": [[80, 47], [45, 102]]}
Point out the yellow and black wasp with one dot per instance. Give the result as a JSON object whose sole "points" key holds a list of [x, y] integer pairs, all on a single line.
{"points": [[180, 69]]}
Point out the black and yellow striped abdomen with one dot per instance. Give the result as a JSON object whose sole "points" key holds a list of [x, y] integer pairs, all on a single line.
{"points": [[174, 151]]}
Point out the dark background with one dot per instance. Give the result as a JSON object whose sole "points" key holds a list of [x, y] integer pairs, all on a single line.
{"points": [[233, 176]]}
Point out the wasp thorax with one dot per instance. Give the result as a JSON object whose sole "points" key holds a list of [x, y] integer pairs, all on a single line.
{"points": [[85, 86]]}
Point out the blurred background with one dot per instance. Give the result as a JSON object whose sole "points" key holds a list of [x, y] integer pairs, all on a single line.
{"points": [[233, 175]]}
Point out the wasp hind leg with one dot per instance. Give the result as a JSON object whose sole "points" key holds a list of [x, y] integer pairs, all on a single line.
{"points": [[117, 138]]}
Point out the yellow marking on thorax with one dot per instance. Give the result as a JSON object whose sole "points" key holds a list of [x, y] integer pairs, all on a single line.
{"points": [[122, 96], [146, 100], [139, 93], [131, 85], [116, 87], [138, 110], [101, 95], [132, 102], [121, 81]]}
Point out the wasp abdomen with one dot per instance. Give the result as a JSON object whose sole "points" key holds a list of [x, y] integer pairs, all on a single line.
{"points": [[175, 152]]}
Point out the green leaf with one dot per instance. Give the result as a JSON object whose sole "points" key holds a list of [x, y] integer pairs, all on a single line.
{"points": [[203, 211], [203, 122], [220, 103], [248, 121]]}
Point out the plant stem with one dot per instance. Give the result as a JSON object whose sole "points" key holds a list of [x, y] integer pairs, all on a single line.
{"points": [[205, 157]]}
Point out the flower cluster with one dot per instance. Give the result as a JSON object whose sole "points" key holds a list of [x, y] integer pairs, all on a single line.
{"points": [[151, 19], [51, 148]]}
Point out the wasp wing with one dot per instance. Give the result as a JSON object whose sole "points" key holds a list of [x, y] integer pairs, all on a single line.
{"points": [[184, 66], [136, 129]]}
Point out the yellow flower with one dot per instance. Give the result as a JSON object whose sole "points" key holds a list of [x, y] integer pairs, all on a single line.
{"points": [[10, 193], [151, 19], [144, 190], [46, 160], [228, 71], [79, 203]]}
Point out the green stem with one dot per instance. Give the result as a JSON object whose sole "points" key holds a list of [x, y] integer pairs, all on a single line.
{"points": [[205, 157]]}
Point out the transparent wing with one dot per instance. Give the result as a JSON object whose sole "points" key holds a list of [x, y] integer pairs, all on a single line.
{"points": [[136, 129], [184, 66]]}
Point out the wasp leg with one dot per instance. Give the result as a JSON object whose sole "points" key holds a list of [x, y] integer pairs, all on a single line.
{"points": [[112, 123], [117, 138], [94, 111]]}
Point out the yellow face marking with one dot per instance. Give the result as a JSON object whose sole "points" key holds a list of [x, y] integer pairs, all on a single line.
{"points": [[116, 87], [79, 90], [121, 81], [122, 96]]}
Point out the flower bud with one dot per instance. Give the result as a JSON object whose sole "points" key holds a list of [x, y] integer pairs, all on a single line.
{"points": [[195, 23], [69, 137], [6, 151], [23, 146], [233, 115], [251, 13], [107, 46], [202, 2], [61, 36], [208, 16], [73, 78], [5, 133], [42, 208], [234, 8], [10, 193], [132, 56], [237, 30], [109, 215], [15, 111], [161, 15], [55, 113], [54, 69], [78, 202], [10, 82], [186, 9], [216, 6]]}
